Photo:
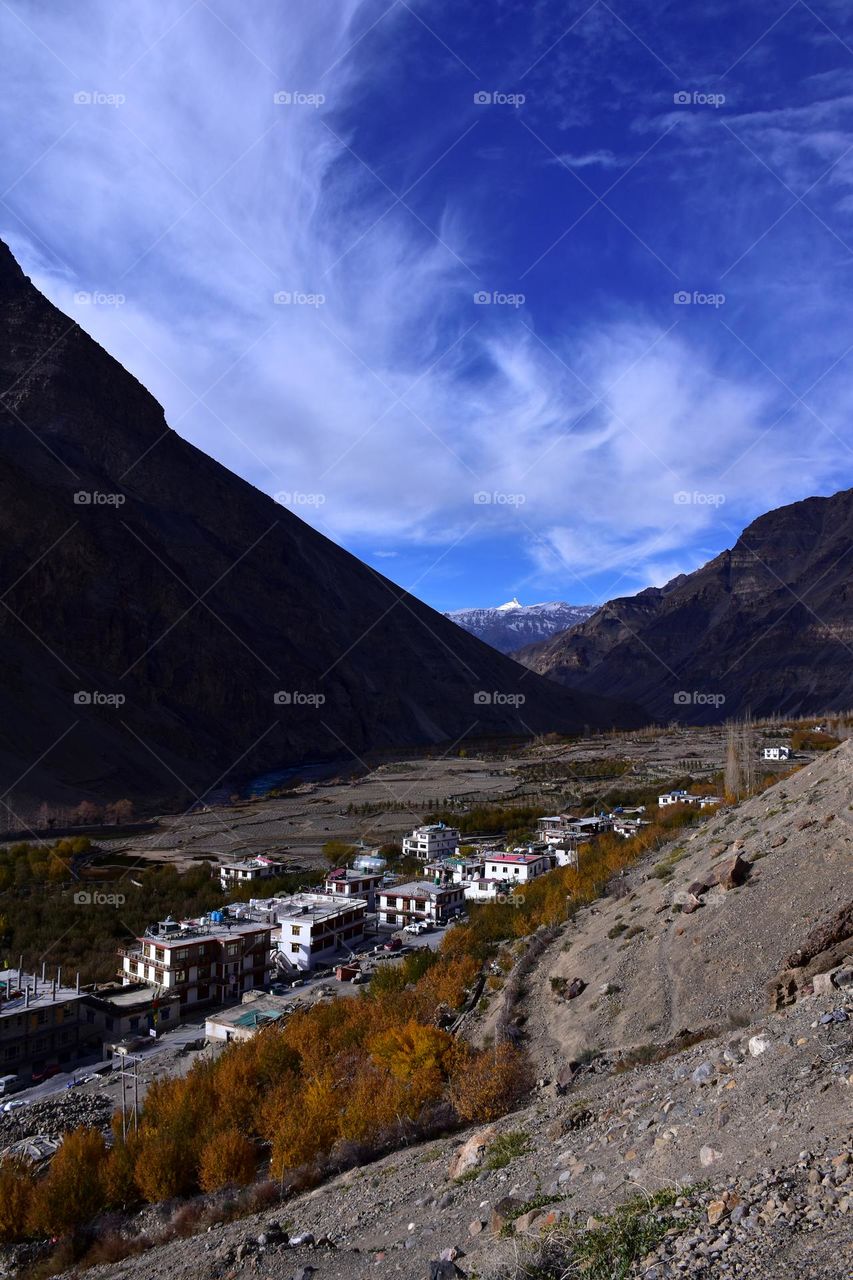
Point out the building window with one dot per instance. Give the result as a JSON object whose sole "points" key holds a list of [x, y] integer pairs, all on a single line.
{"points": [[296, 929], [294, 946]]}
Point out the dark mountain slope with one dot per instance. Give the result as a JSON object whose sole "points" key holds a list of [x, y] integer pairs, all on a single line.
{"points": [[196, 600], [766, 627]]}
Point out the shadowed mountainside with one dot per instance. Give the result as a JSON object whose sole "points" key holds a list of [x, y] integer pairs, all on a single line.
{"points": [[180, 588], [766, 627]]}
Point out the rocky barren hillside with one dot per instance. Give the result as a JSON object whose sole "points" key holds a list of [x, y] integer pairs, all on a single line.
{"points": [[692, 1116], [154, 604], [765, 627]]}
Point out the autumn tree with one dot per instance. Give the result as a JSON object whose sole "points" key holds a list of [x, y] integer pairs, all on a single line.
{"points": [[308, 1130], [489, 1083], [119, 812], [16, 1193], [73, 1191], [419, 1057], [228, 1158]]}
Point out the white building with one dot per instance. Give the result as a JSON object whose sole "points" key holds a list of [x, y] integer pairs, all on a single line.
{"points": [[232, 874], [372, 861], [454, 870], [213, 959], [429, 842], [518, 867], [673, 797], [683, 797], [247, 1019], [777, 753], [347, 882], [403, 904], [563, 828], [309, 928], [565, 857]]}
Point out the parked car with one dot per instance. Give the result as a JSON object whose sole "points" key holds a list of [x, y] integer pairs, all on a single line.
{"points": [[14, 1104]]}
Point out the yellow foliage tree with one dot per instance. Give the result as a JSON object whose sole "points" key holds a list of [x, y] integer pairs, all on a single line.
{"points": [[228, 1158], [486, 1085], [73, 1191], [419, 1057], [309, 1129], [16, 1193]]}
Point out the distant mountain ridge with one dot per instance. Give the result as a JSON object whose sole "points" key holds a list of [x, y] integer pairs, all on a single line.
{"points": [[165, 626], [766, 627], [513, 625]]}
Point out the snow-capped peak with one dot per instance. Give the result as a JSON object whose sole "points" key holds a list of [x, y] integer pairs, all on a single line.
{"points": [[510, 626]]}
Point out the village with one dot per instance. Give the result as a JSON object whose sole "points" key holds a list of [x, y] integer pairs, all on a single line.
{"points": [[243, 962], [186, 985]]}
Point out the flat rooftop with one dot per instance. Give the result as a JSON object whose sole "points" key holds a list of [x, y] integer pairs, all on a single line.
{"points": [[418, 889], [259, 1013], [316, 906], [41, 993], [515, 857], [193, 931]]}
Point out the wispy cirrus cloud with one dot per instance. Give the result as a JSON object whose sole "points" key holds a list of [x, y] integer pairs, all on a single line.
{"points": [[299, 275]]}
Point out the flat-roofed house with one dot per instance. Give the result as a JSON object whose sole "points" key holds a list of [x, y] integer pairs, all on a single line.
{"points": [[214, 959], [310, 928], [403, 904]]}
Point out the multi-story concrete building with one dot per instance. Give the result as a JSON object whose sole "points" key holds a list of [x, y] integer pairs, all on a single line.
{"points": [[416, 900], [429, 842], [309, 928], [45, 1027], [455, 870], [350, 883], [251, 871], [210, 960], [563, 828]]}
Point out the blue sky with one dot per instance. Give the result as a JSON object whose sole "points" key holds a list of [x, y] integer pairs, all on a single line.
{"points": [[280, 217]]}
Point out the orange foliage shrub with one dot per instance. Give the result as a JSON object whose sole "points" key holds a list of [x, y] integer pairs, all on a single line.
{"points": [[486, 1085], [73, 1191], [228, 1158], [418, 1057], [16, 1192]]}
